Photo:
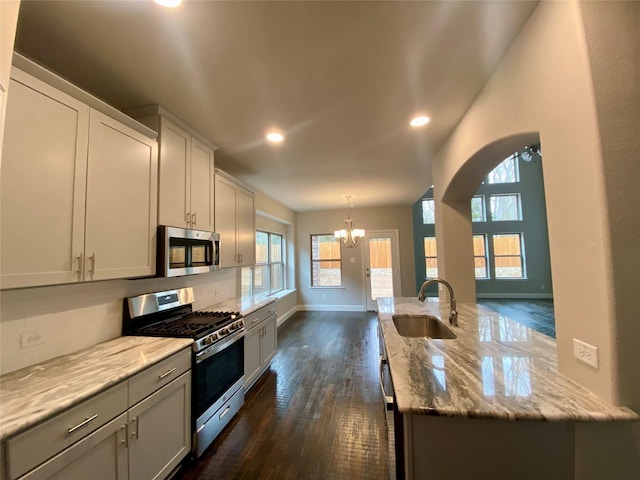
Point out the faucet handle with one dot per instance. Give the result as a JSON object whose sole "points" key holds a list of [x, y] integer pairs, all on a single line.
{"points": [[453, 316]]}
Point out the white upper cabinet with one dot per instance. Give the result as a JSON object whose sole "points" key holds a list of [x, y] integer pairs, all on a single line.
{"points": [[43, 180], [78, 191], [186, 183], [174, 175], [121, 206], [235, 222], [202, 186]]}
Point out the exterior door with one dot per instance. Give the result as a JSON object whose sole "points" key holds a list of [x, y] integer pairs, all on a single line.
{"points": [[382, 265]]}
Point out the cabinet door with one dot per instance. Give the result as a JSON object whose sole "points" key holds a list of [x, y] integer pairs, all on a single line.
{"points": [[175, 147], [246, 227], [121, 201], [201, 186], [101, 455], [252, 363], [225, 218], [268, 341], [42, 202], [160, 431]]}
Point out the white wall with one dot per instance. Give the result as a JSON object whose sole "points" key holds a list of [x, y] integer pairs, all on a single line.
{"points": [[546, 78], [71, 317], [350, 297], [8, 22], [556, 83]]}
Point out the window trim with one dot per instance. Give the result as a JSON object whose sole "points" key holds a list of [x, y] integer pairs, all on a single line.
{"points": [[426, 268], [432, 200], [518, 205], [266, 266], [312, 260], [483, 209], [516, 168], [521, 255], [485, 256]]}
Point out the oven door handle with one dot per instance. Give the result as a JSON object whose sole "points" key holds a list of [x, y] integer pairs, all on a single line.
{"points": [[221, 345]]}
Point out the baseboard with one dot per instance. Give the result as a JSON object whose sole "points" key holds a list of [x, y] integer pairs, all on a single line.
{"points": [[523, 296], [331, 308], [287, 315]]}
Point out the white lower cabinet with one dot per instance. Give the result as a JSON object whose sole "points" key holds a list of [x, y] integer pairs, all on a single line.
{"points": [[260, 343], [101, 455], [139, 429], [160, 431]]}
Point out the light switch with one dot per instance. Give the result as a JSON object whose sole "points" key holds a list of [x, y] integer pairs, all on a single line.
{"points": [[352, 259]]}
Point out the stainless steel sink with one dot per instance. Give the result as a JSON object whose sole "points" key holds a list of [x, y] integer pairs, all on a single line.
{"points": [[422, 326]]}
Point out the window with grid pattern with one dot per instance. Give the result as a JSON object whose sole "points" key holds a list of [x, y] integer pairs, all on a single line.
{"points": [[508, 255], [326, 261], [431, 256]]}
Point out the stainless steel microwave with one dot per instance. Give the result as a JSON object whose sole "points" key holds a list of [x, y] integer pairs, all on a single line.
{"points": [[184, 251]]}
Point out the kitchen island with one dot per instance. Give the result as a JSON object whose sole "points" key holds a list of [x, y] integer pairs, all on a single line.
{"points": [[491, 402]]}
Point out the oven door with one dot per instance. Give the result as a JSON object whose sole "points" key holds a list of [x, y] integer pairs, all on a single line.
{"points": [[216, 370]]}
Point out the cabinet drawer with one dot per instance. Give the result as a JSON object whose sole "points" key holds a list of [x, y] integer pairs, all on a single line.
{"points": [[29, 449], [156, 376], [256, 318]]}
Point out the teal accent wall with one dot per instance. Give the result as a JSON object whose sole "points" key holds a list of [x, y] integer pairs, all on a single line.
{"points": [[533, 227]]}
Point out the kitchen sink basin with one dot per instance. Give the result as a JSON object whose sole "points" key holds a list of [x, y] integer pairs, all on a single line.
{"points": [[422, 326]]}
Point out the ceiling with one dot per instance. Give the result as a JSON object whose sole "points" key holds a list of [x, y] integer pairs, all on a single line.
{"points": [[341, 79]]}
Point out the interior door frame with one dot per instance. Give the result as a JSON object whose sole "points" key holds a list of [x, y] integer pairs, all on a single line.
{"points": [[394, 235]]}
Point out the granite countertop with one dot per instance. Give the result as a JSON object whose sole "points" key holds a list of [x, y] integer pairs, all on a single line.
{"points": [[495, 368], [33, 394], [244, 305]]}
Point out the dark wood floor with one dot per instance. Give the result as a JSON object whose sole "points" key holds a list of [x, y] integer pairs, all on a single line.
{"points": [[316, 414], [536, 314]]}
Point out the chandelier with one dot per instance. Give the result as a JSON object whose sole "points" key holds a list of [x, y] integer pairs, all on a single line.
{"points": [[348, 234]]}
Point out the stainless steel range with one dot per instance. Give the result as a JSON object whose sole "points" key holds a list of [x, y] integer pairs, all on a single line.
{"points": [[218, 354]]}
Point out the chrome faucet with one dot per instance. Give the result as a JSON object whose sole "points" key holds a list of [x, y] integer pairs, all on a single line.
{"points": [[453, 315]]}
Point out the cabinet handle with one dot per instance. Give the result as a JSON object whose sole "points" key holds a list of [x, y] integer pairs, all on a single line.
{"points": [[136, 432], [225, 412], [193, 218], [80, 266], [83, 423], [124, 434], [92, 263], [166, 374], [188, 218]]}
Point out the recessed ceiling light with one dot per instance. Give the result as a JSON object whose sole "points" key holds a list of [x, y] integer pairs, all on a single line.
{"points": [[419, 121], [169, 3], [275, 137]]}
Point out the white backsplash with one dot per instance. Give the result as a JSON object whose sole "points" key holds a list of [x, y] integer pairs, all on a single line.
{"points": [[37, 324]]}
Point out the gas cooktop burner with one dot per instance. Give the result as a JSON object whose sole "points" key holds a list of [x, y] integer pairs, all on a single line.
{"points": [[193, 325]]}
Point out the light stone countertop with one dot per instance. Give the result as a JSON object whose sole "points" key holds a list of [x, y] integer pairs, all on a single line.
{"points": [[495, 368], [36, 393], [245, 305]]}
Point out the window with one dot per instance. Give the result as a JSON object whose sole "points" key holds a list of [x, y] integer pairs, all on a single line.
{"points": [[480, 256], [477, 209], [431, 256], [326, 262], [505, 172], [508, 255], [246, 282], [428, 211], [505, 207], [268, 274]]}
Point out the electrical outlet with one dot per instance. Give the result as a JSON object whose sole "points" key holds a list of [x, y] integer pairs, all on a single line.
{"points": [[324, 296], [33, 339], [585, 353], [216, 292]]}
